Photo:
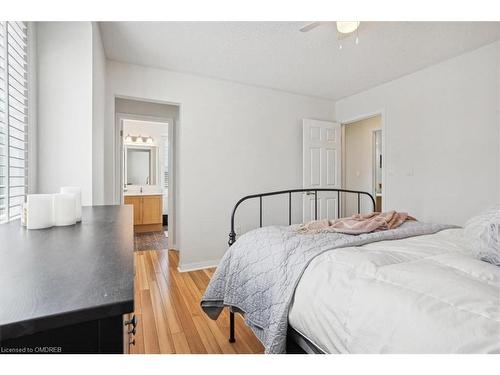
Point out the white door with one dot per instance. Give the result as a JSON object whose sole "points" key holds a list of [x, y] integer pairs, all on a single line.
{"points": [[321, 152]]}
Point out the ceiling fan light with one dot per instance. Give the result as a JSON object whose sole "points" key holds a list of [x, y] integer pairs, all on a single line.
{"points": [[346, 27]]}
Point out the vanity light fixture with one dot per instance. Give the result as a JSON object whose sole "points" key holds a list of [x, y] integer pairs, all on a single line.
{"points": [[139, 139]]}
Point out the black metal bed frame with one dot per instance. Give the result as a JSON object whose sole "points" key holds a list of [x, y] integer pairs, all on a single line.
{"points": [[314, 191]]}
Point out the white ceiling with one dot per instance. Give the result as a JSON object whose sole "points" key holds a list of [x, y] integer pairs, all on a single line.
{"points": [[278, 56]]}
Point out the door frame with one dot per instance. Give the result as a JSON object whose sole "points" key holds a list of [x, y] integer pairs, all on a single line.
{"points": [[118, 164], [383, 127], [375, 161]]}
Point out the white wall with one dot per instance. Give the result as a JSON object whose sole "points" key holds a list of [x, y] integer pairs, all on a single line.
{"points": [[137, 107], [98, 114], [231, 140], [64, 91], [441, 136]]}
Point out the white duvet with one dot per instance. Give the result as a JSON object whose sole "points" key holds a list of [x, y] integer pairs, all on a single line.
{"points": [[424, 294]]}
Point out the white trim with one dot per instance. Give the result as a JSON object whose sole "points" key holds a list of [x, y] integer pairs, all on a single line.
{"points": [[375, 162], [196, 266]]}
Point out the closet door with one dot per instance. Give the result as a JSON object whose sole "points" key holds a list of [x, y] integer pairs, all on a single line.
{"points": [[321, 168]]}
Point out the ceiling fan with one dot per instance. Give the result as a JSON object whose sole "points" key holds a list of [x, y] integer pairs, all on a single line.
{"points": [[344, 29]]}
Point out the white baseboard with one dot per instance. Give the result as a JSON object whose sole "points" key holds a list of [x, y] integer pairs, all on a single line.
{"points": [[197, 266]]}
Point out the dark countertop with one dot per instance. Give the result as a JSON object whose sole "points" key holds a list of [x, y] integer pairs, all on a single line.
{"points": [[65, 275]]}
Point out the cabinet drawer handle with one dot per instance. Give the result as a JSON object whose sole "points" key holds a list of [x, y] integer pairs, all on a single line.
{"points": [[132, 332], [132, 321]]}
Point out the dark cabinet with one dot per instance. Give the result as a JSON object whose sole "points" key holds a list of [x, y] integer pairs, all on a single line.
{"points": [[96, 336]]}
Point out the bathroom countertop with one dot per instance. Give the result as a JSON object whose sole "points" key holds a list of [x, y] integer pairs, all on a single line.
{"points": [[55, 277], [138, 194]]}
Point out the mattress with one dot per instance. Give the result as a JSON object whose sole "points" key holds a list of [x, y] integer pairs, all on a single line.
{"points": [[423, 294]]}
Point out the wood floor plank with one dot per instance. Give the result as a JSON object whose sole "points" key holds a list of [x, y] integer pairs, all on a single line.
{"points": [[191, 294], [156, 263], [137, 292], [200, 283], [220, 336], [173, 319], [188, 327], [149, 330], [165, 342], [148, 264], [143, 274], [180, 343], [206, 336], [170, 319], [173, 259]]}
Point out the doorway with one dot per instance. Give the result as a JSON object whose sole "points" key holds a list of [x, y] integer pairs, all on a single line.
{"points": [[362, 162], [145, 163]]}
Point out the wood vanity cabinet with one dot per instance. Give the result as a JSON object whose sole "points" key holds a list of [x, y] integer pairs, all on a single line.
{"points": [[148, 212]]}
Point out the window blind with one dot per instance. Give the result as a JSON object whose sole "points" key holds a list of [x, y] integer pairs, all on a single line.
{"points": [[13, 118]]}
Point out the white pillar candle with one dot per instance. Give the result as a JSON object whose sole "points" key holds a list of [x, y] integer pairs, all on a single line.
{"points": [[40, 209], [64, 209], [78, 196]]}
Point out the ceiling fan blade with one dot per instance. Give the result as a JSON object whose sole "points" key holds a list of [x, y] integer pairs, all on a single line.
{"points": [[309, 26]]}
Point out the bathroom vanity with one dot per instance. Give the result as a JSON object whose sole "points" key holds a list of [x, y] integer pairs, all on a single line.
{"points": [[148, 210], [143, 187]]}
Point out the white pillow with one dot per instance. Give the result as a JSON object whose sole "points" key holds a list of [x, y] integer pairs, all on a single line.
{"points": [[483, 234]]}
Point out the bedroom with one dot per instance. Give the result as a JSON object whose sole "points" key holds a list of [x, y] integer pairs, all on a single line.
{"points": [[256, 128]]}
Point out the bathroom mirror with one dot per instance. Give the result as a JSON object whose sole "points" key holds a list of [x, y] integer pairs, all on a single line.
{"points": [[140, 165]]}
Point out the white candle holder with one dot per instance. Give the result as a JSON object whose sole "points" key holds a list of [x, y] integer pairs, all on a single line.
{"points": [[64, 209], [77, 191], [40, 211]]}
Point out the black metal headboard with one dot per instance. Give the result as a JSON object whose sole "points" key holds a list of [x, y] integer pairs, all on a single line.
{"points": [[232, 234]]}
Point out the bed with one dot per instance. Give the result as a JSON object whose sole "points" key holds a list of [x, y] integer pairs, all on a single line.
{"points": [[413, 290]]}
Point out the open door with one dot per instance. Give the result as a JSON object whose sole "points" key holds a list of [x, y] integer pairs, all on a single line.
{"points": [[321, 157]]}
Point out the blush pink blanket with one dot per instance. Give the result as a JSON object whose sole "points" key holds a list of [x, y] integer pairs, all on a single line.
{"points": [[357, 224]]}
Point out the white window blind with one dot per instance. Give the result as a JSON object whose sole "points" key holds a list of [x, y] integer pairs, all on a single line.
{"points": [[13, 118]]}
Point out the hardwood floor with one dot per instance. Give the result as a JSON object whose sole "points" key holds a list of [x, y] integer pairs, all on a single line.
{"points": [[170, 319]]}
